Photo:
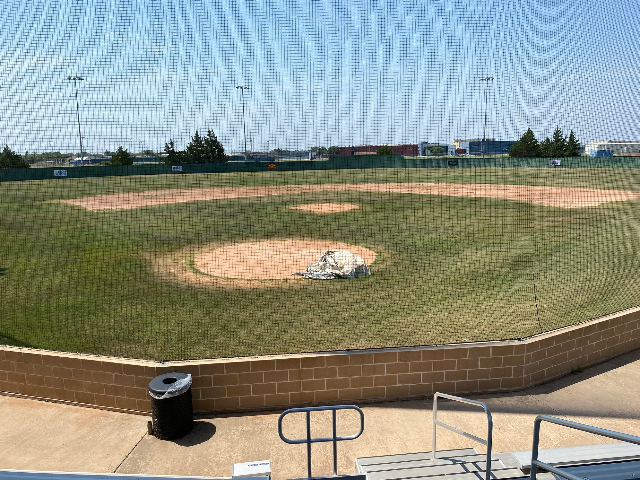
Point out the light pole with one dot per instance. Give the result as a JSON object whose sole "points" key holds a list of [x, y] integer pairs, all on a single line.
{"points": [[486, 94], [75, 80], [244, 127]]}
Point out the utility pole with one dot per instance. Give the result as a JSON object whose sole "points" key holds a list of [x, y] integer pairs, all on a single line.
{"points": [[244, 126], [486, 97], [75, 80]]}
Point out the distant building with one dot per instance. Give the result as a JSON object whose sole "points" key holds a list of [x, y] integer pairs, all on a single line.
{"points": [[146, 159], [89, 160], [601, 153], [292, 155], [408, 150], [426, 148], [457, 143], [488, 147], [616, 147]]}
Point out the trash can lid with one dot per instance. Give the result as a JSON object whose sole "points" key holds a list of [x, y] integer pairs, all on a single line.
{"points": [[162, 383]]}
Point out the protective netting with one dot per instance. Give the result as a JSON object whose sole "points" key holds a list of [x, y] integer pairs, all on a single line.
{"points": [[188, 157]]}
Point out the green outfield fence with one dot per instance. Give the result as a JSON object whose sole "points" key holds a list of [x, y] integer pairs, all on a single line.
{"points": [[334, 163]]}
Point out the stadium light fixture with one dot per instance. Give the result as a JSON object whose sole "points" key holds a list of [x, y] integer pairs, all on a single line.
{"points": [[244, 126], [75, 84], [486, 96]]}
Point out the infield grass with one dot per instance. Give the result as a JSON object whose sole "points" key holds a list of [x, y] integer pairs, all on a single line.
{"points": [[449, 269]]}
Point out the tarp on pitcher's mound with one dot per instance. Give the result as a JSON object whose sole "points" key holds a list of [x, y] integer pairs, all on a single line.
{"points": [[336, 264]]}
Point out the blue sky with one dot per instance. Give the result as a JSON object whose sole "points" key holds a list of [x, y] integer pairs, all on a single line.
{"points": [[320, 72]]}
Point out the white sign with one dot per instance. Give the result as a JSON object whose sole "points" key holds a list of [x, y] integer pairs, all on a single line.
{"points": [[555, 162], [59, 173], [176, 168], [261, 468]]}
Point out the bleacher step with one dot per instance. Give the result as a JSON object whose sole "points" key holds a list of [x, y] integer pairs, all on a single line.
{"points": [[495, 474], [608, 452], [366, 464], [606, 471], [449, 465]]}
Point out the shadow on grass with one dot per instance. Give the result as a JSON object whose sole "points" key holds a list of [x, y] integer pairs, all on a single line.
{"points": [[14, 342], [3, 271], [202, 431]]}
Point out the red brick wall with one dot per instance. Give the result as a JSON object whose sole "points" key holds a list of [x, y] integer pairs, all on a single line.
{"points": [[276, 382]]}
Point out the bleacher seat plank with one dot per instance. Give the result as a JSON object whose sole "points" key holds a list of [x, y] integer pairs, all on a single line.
{"points": [[606, 471], [607, 452], [449, 465], [410, 457]]}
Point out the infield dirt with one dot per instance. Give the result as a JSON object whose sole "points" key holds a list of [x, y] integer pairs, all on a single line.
{"points": [[540, 195]]}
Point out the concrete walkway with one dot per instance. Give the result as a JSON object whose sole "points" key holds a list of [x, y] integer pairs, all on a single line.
{"points": [[43, 436]]}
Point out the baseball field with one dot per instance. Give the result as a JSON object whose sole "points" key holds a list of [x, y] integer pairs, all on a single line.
{"points": [[200, 266]]}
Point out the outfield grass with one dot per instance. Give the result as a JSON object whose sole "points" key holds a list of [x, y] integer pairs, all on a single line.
{"points": [[449, 269]]}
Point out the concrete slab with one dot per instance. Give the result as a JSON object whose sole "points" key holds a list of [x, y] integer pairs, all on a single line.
{"points": [[58, 437], [45, 436]]}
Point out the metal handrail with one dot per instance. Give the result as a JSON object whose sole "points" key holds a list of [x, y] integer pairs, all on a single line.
{"points": [[535, 463], [334, 438], [487, 442]]}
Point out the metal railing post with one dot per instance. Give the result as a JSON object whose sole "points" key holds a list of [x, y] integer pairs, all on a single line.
{"points": [[488, 442], [335, 443], [435, 426], [535, 463], [308, 444], [334, 437], [534, 448]]}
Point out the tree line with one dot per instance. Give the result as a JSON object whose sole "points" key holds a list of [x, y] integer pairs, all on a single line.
{"points": [[200, 149], [557, 146], [205, 149], [10, 159]]}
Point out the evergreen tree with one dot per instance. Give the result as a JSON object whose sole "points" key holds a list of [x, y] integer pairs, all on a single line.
{"points": [[558, 144], [195, 150], [546, 148], [173, 156], [212, 149], [200, 150], [573, 145], [527, 146], [121, 157], [10, 159]]}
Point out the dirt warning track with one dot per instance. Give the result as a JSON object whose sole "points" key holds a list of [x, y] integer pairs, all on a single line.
{"points": [[559, 197]]}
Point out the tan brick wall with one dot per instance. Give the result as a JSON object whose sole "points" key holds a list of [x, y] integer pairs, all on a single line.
{"points": [[243, 384]]}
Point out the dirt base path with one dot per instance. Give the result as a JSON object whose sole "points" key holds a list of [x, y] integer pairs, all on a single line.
{"points": [[326, 208], [539, 195]]}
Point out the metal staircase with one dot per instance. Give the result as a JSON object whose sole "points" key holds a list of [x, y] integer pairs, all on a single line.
{"points": [[465, 464], [596, 462]]}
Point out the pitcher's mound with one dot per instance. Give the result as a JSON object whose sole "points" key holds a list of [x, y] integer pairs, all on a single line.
{"points": [[325, 208], [270, 260]]}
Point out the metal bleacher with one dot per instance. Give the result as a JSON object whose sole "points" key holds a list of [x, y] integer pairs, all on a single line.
{"points": [[465, 464], [619, 461]]}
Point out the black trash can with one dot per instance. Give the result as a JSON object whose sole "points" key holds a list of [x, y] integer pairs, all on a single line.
{"points": [[171, 407]]}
